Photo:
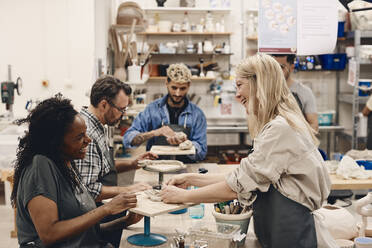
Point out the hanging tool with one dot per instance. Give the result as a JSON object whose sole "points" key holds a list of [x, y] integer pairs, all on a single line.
{"points": [[7, 91], [201, 60]]}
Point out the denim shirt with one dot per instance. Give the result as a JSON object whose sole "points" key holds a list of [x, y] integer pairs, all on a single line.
{"points": [[156, 114]]}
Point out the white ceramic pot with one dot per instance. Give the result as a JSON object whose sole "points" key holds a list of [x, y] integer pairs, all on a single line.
{"points": [[363, 242], [164, 26], [235, 219], [344, 243], [208, 47]]}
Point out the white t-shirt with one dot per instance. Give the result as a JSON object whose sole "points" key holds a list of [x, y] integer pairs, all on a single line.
{"points": [[306, 96]]}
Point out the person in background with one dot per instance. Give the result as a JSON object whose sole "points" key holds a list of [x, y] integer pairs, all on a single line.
{"points": [[54, 208], [285, 176], [109, 99], [367, 112], [303, 94], [172, 113]]}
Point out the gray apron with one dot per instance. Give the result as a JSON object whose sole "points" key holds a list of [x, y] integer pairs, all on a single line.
{"points": [[162, 141], [111, 178], [280, 222]]}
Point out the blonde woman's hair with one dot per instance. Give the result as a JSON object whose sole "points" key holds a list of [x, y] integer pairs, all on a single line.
{"points": [[270, 95], [179, 73]]}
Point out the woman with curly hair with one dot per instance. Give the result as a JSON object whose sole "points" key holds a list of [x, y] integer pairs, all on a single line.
{"points": [[53, 207]]}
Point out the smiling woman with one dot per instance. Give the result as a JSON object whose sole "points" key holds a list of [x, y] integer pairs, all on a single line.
{"points": [[53, 206], [284, 170]]}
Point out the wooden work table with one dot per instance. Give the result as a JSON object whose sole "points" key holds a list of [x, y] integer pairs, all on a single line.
{"points": [[166, 224]]}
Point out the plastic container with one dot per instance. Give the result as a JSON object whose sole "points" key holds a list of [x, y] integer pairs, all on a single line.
{"points": [[326, 118], [134, 74], [197, 211], [364, 82], [363, 242], [344, 243], [333, 61], [216, 234], [235, 219], [366, 163], [341, 29]]}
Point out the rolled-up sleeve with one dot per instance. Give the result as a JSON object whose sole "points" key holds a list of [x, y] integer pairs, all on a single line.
{"points": [[265, 165], [90, 168], [199, 136], [139, 125]]}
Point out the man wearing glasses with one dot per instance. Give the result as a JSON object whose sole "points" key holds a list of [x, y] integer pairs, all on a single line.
{"points": [[109, 99], [162, 118], [303, 94]]}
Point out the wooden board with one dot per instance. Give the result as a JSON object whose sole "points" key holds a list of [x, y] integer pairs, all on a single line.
{"points": [[172, 150], [150, 208], [340, 183]]}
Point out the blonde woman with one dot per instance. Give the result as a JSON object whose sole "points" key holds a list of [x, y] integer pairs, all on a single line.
{"points": [[284, 175]]}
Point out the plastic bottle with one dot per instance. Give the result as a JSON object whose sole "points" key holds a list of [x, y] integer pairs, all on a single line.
{"points": [[186, 23], [197, 211]]}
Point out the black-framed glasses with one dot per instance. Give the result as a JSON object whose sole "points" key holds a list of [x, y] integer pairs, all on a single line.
{"points": [[121, 110]]}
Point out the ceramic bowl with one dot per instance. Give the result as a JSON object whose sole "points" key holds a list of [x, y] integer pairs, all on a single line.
{"points": [[344, 243]]}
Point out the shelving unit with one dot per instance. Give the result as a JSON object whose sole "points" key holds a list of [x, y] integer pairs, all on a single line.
{"points": [[216, 38], [186, 33], [193, 54], [192, 78], [188, 9], [353, 98]]}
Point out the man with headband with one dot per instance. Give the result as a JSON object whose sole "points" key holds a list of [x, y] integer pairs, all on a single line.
{"points": [[162, 118]]}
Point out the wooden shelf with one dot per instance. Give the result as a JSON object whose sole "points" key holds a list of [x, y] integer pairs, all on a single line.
{"points": [[192, 78], [185, 33], [126, 28], [252, 39], [188, 9], [193, 54]]}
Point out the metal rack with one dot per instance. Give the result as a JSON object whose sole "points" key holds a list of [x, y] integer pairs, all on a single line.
{"points": [[354, 98]]}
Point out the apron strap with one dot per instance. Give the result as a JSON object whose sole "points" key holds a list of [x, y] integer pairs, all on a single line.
{"points": [[184, 123]]}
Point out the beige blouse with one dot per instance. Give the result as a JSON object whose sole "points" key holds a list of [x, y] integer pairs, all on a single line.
{"points": [[287, 159]]}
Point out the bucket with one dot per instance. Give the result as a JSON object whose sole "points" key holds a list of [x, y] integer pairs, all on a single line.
{"points": [[235, 219], [363, 242], [366, 83], [134, 74]]}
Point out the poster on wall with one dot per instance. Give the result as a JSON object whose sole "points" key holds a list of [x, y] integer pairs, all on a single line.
{"points": [[277, 22], [306, 27]]}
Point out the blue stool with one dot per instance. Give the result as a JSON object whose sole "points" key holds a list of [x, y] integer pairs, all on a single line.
{"points": [[181, 211], [147, 238]]}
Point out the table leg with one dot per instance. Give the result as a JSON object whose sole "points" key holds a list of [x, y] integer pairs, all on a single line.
{"points": [[328, 145], [147, 238], [161, 178]]}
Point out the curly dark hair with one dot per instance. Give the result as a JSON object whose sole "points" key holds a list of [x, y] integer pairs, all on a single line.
{"points": [[107, 87], [48, 124]]}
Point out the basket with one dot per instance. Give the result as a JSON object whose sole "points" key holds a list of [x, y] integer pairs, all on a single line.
{"points": [[326, 118], [366, 163], [333, 61]]}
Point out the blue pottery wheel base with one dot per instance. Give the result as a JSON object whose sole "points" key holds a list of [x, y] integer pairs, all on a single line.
{"points": [[142, 239], [147, 238]]}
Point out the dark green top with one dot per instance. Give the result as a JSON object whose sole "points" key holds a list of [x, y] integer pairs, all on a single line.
{"points": [[42, 177]]}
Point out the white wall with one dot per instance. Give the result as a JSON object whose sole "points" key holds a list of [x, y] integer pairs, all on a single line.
{"points": [[48, 40]]}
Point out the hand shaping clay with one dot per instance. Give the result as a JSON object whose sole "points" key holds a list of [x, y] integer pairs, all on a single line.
{"points": [[181, 135], [153, 195], [186, 145], [162, 165]]}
